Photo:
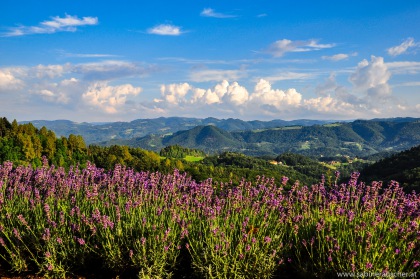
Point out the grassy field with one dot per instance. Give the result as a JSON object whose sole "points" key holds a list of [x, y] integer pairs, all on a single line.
{"points": [[193, 158]]}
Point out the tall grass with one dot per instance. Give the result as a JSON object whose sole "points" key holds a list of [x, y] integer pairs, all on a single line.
{"points": [[58, 224]]}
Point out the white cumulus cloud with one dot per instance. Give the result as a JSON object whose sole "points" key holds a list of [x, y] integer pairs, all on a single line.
{"points": [[372, 78], [281, 100], [165, 30], [329, 105], [8, 80], [175, 93], [236, 94], [109, 98], [231, 99], [223, 92]]}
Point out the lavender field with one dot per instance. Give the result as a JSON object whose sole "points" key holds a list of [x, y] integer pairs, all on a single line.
{"points": [[150, 225]]}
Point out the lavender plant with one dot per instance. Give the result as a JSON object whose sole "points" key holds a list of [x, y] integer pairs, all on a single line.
{"points": [[355, 228], [58, 223], [237, 233]]}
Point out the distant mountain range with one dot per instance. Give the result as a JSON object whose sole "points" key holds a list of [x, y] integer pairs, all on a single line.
{"points": [[99, 132], [314, 138]]}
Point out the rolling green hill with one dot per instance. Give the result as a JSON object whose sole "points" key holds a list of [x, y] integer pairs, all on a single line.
{"points": [[203, 137], [403, 167], [360, 138]]}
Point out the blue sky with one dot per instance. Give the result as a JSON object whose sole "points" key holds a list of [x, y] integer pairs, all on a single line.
{"points": [[123, 60]]}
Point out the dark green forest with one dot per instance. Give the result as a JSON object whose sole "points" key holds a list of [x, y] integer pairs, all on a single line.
{"points": [[403, 167]]}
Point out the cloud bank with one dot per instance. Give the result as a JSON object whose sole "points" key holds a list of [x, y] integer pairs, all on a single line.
{"points": [[112, 88]]}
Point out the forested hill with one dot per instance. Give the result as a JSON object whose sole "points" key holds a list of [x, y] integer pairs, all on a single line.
{"points": [[25, 144], [355, 139], [98, 132], [403, 167]]}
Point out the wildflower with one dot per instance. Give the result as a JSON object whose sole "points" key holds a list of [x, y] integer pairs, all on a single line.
{"points": [[47, 209], [245, 223], [46, 235], [267, 239], [59, 240], [369, 265], [96, 215], [397, 251], [142, 240], [350, 215], [320, 225], [127, 206], [50, 267], [337, 174], [416, 264], [247, 247], [47, 254], [410, 246], [22, 220], [16, 233], [413, 225], [184, 233], [297, 218], [81, 241], [131, 253]]}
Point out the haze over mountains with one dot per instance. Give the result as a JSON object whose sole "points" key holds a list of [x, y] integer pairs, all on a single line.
{"points": [[308, 137]]}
